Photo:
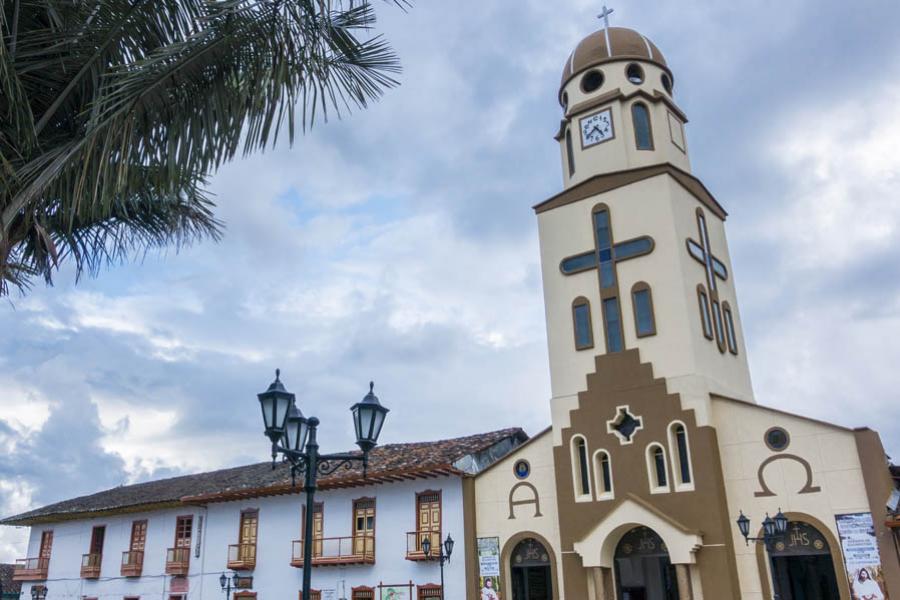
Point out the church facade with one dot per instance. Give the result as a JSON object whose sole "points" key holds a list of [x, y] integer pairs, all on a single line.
{"points": [[657, 446]]}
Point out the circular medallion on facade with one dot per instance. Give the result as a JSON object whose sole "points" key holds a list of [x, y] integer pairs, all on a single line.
{"points": [[818, 544], [777, 439], [627, 548], [779, 546], [522, 469]]}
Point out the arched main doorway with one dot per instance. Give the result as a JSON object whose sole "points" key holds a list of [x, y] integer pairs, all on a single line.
{"points": [[643, 569], [530, 570], [802, 566]]}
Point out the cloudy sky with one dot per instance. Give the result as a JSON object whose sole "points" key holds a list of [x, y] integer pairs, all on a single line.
{"points": [[399, 244]]}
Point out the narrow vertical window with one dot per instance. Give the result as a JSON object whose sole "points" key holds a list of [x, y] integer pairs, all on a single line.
{"points": [[570, 156], [613, 324], [643, 136], [642, 301], [659, 463], [720, 329], [603, 475], [681, 455], [580, 472], [730, 335], [657, 469], [581, 318], [703, 301]]}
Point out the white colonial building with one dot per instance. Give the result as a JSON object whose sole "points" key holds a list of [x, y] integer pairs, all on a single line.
{"points": [[172, 539]]}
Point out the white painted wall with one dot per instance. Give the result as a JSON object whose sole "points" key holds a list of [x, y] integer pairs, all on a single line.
{"points": [[279, 525]]}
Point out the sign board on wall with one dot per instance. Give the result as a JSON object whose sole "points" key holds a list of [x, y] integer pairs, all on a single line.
{"points": [[861, 557], [396, 592], [489, 567]]}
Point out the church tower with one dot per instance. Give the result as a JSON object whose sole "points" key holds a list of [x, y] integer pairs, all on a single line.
{"points": [[633, 251], [642, 324]]}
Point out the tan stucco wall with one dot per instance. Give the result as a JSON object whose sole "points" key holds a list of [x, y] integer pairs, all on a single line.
{"points": [[621, 152], [492, 488], [832, 456]]}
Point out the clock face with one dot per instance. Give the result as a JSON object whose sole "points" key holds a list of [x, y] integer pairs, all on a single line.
{"points": [[596, 128]]}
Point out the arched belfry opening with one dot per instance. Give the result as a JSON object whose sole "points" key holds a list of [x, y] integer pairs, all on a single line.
{"points": [[643, 568]]}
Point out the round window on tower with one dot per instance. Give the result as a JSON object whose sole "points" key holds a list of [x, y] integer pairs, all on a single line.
{"points": [[667, 83], [634, 73], [592, 81], [777, 439]]}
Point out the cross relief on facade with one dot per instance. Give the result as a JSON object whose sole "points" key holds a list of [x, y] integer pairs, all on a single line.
{"points": [[604, 257]]}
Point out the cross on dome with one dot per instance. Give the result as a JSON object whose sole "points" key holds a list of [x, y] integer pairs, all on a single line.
{"points": [[604, 16]]}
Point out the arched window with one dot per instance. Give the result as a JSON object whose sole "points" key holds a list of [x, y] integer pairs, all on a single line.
{"points": [[581, 320], [643, 135], [730, 335], [705, 319], [603, 475], [634, 73], [570, 156], [580, 470], [681, 457], [642, 303], [657, 469]]}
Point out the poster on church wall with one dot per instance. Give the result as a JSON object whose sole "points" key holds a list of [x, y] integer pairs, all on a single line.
{"points": [[861, 557], [489, 567]]}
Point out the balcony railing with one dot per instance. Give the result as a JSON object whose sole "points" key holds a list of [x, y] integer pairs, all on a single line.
{"points": [[177, 561], [132, 563], [242, 557], [415, 549], [31, 569], [90, 565], [353, 550]]}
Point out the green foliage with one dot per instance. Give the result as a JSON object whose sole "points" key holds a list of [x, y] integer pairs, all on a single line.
{"points": [[113, 113]]}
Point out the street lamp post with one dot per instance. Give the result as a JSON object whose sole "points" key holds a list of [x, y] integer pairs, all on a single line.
{"points": [[294, 436], [444, 552], [773, 529], [227, 583]]}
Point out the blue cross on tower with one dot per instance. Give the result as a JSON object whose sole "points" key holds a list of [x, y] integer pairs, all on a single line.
{"points": [[603, 257]]}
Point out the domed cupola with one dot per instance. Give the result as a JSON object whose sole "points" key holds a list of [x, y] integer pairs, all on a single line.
{"points": [[619, 113]]}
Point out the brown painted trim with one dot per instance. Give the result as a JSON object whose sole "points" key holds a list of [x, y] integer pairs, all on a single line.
{"points": [[617, 94], [730, 330], [91, 514], [649, 127], [606, 182], [705, 312], [780, 412], [578, 302], [680, 122], [594, 103], [879, 484], [514, 452], [641, 286], [762, 562], [469, 544], [506, 554]]}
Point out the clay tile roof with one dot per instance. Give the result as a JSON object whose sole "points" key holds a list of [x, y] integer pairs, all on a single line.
{"points": [[7, 585], [626, 44], [390, 462]]}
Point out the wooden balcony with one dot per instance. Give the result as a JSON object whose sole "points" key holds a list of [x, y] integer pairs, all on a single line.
{"points": [[414, 546], [354, 550], [132, 563], [178, 560], [90, 565], [31, 569], [242, 557]]}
